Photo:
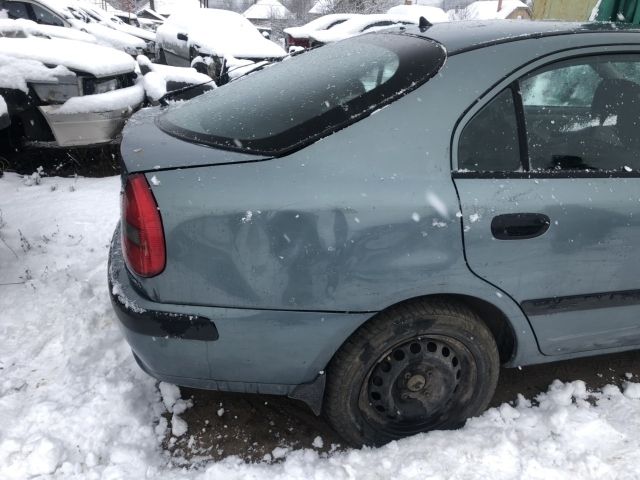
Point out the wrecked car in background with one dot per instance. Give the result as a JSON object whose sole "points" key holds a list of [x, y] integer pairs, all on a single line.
{"points": [[64, 92], [359, 25], [59, 13], [224, 39], [299, 36]]}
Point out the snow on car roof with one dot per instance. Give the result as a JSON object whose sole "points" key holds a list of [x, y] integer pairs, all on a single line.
{"points": [[221, 32], [321, 23], [357, 25], [30, 27], [93, 59], [432, 14], [267, 9]]}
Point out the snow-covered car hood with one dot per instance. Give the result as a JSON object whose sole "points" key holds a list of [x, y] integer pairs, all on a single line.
{"points": [[93, 59], [356, 26], [240, 46], [220, 33], [32, 28], [145, 35], [318, 24], [110, 37]]}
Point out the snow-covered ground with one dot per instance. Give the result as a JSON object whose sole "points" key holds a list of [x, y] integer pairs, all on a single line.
{"points": [[74, 405]]}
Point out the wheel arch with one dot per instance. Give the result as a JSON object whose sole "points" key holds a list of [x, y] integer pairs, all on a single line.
{"points": [[496, 320], [492, 316]]}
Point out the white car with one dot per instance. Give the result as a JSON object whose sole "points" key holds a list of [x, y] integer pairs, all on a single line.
{"points": [[221, 37], [360, 25], [114, 21], [299, 36], [60, 13]]}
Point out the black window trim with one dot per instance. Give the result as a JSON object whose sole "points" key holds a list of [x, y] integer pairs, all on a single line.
{"points": [[514, 78]]}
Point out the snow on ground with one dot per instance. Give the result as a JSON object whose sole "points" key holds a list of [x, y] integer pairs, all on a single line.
{"points": [[74, 405]]}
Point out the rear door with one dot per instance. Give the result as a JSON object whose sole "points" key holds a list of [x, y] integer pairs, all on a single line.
{"points": [[548, 174]]}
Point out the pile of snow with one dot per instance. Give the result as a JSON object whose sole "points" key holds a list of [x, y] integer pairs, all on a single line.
{"points": [[85, 57], [267, 10], [219, 33], [28, 27], [73, 403], [322, 23], [357, 25], [432, 14], [174, 74], [155, 81], [104, 35], [488, 9], [112, 21], [16, 72], [3, 106], [128, 98]]}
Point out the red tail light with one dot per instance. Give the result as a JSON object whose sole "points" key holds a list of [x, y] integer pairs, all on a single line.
{"points": [[142, 233]]}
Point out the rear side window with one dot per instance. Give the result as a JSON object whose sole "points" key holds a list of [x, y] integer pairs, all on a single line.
{"points": [[45, 17], [16, 10], [302, 99], [489, 142]]}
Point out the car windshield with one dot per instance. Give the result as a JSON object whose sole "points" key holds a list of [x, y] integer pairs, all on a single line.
{"points": [[301, 99]]}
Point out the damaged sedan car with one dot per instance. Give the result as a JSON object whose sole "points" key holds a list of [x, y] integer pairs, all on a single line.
{"points": [[64, 93], [376, 226]]}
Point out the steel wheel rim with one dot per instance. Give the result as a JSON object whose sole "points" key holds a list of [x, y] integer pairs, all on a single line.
{"points": [[415, 384]]}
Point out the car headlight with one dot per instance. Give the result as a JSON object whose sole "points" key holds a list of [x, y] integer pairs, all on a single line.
{"points": [[93, 86], [59, 92]]}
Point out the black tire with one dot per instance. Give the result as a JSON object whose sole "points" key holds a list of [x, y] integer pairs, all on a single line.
{"points": [[425, 365]]}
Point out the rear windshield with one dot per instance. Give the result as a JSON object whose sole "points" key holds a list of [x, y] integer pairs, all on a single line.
{"points": [[301, 99]]}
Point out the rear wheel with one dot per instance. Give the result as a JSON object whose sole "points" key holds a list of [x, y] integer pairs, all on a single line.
{"points": [[418, 367]]}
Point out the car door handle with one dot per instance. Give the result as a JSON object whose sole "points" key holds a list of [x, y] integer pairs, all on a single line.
{"points": [[519, 226]]}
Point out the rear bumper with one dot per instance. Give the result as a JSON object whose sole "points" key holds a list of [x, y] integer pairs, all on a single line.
{"points": [[227, 349]]}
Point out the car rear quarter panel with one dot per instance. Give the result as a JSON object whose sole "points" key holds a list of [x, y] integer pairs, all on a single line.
{"points": [[356, 222]]}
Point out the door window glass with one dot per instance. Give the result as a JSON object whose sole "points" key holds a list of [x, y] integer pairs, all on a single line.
{"points": [[46, 17], [584, 114], [16, 10], [489, 142]]}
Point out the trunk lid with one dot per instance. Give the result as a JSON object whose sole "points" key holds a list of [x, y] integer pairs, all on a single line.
{"points": [[145, 148]]}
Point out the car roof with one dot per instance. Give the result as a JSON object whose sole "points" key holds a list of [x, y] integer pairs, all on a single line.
{"points": [[463, 36]]}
